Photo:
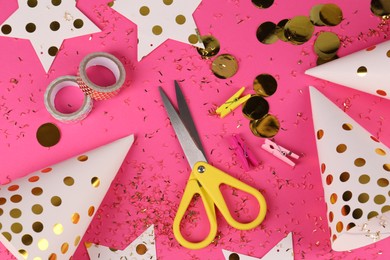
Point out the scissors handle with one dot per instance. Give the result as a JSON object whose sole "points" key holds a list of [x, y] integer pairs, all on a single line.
{"points": [[191, 189], [211, 179]]}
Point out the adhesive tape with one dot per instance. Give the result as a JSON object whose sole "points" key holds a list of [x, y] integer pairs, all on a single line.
{"points": [[106, 60], [51, 92]]}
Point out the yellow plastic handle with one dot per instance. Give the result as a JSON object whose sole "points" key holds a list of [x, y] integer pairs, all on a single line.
{"points": [[211, 178], [191, 189]]}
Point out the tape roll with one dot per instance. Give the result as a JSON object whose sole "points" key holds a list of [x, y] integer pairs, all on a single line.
{"points": [[106, 60], [51, 92]]}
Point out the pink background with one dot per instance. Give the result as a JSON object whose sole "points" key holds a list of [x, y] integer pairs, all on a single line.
{"points": [[149, 185]]}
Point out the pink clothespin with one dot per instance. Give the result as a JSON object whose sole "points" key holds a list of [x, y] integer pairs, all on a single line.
{"points": [[279, 152], [243, 152]]}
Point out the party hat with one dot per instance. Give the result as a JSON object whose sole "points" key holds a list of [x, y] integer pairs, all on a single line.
{"points": [[143, 248], [45, 214], [282, 251], [355, 170], [365, 70]]}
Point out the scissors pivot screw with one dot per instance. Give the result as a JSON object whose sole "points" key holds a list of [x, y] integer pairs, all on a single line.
{"points": [[201, 169]]}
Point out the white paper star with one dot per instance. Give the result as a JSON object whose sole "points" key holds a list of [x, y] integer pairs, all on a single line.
{"points": [[144, 247], [46, 23], [159, 20]]}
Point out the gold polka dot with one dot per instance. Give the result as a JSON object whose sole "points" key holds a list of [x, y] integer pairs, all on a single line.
{"points": [[75, 218], [13, 187], [359, 162], [7, 236], [386, 166], [357, 213], [43, 244], [33, 179], [333, 198], [1, 213], [371, 48], [95, 181], [52, 256], [111, 4], [16, 198], [91, 210], [180, 19], [64, 248], [234, 256], [347, 127], [157, 30], [78, 23], [320, 134], [193, 39], [58, 229], [364, 179], [52, 51], [68, 181], [56, 2], [16, 228], [15, 213], [141, 249], [56, 201], [37, 191], [350, 225], [77, 240], [379, 199], [32, 3], [382, 182], [37, 209], [345, 210], [3, 200], [363, 197], [339, 226], [329, 179], [323, 167], [144, 10], [37, 226], [362, 71], [168, 2], [381, 92], [82, 158], [380, 151], [388, 53], [27, 239], [374, 139], [334, 237], [24, 253], [341, 148], [46, 170], [347, 195], [372, 214], [331, 216], [6, 29], [30, 27], [54, 26], [385, 208]]}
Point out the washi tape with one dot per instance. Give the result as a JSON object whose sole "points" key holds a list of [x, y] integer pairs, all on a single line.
{"points": [[106, 60], [51, 92]]}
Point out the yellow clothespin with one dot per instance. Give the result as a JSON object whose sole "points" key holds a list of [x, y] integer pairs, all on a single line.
{"points": [[232, 103]]}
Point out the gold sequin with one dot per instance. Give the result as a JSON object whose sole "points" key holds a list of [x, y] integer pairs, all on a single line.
{"points": [[266, 127], [263, 4], [224, 66], [211, 46], [266, 33], [48, 134], [299, 30], [265, 85]]}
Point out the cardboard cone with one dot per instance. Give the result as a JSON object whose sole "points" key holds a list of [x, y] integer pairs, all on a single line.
{"points": [[143, 248], [365, 70], [282, 251], [355, 170], [45, 214]]}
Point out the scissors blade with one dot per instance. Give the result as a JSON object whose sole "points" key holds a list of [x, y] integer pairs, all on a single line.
{"points": [[186, 117], [191, 151]]}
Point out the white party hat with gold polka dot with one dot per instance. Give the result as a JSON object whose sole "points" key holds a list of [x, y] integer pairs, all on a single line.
{"points": [[355, 172], [143, 248], [365, 70], [45, 214]]}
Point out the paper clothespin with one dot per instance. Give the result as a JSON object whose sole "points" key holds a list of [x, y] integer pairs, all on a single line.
{"points": [[279, 152], [232, 103], [243, 152]]}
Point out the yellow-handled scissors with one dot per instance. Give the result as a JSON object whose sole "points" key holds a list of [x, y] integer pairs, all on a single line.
{"points": [[205, 179]]}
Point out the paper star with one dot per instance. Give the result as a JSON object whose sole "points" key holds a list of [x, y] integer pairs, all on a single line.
{"points": [[143, 247], [159, 20], [46, 23]]}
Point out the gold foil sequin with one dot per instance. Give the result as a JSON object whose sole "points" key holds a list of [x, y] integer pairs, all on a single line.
{"points": [[266, 33], [279, 31], [255, 107], [322, 61], [380, 7], [224, 66], [48, 135], [263, 4], [211, 46], [266, 127], [299, 30], [326, 45], [265, 85], [326, 14]]}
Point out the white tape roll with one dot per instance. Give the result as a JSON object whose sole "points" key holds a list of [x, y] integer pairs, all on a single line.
{"points": [[51, 92], [106, 60]]}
